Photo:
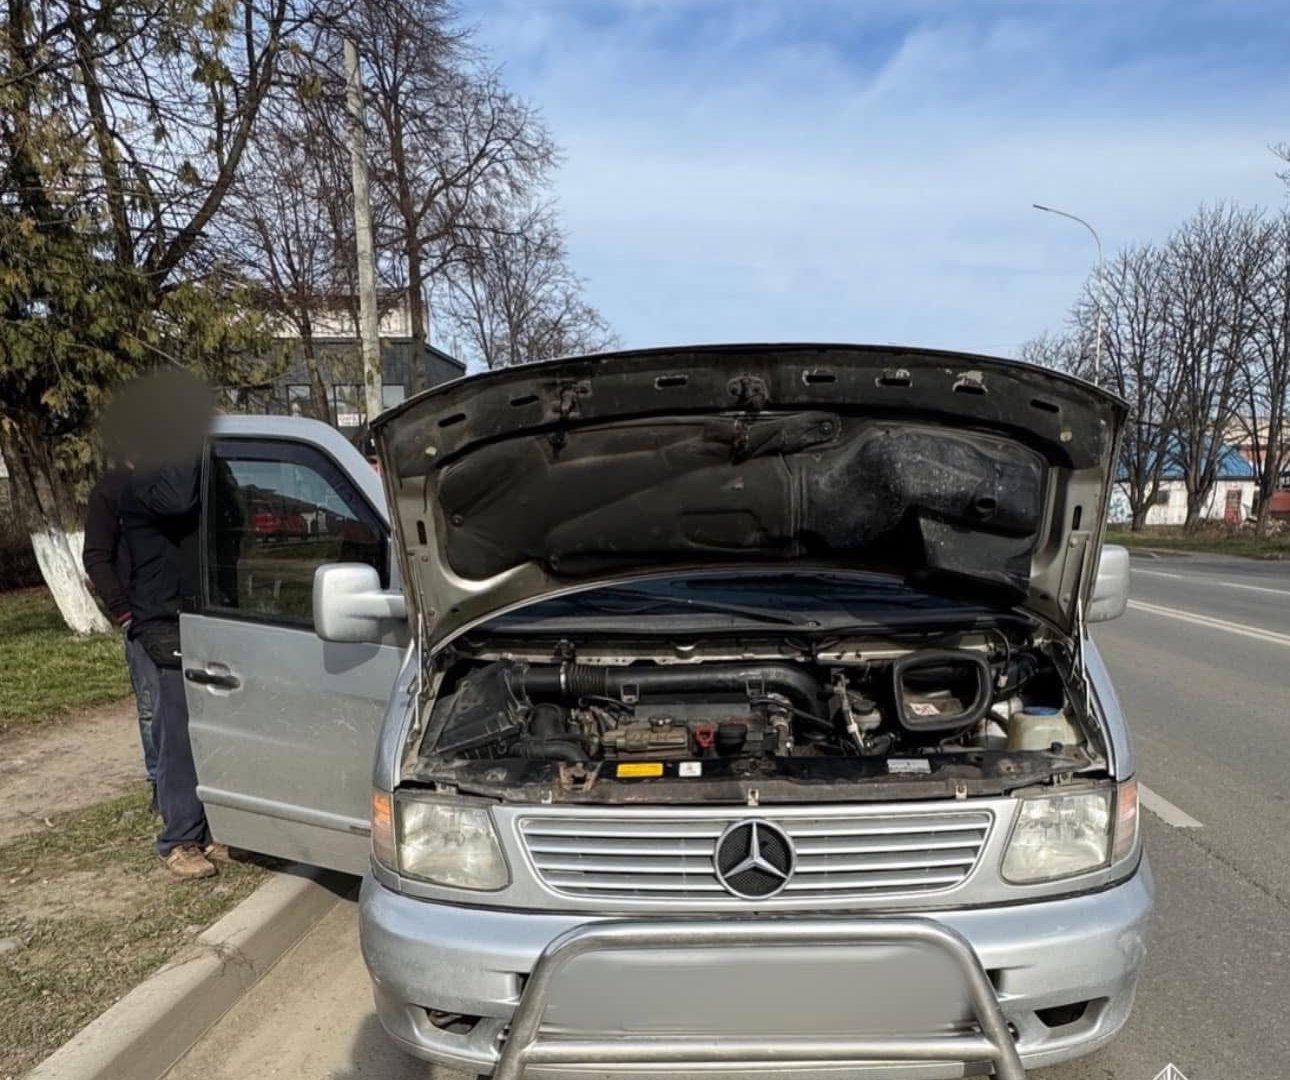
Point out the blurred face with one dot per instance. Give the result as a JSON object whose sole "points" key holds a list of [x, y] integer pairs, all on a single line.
{"points": [[157, 419]]}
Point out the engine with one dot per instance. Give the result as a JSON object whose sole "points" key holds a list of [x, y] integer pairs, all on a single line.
{"points": [[577, 712]]}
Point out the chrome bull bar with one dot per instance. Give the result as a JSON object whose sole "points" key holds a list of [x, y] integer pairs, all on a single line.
{"points": [[525, 1046]]}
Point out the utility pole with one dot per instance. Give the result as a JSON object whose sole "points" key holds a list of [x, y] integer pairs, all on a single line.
{"points": [[369, 325]]}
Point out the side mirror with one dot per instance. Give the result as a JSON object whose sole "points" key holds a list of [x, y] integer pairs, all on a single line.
{"points": [[1111, 590], [350, 605]]}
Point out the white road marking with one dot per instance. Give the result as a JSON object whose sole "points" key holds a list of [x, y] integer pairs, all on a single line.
{"points": [[1199, 580], [1211, 623], [1165, 810]]}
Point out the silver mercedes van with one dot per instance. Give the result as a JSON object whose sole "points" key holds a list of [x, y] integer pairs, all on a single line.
{"points": [[720, 711]]}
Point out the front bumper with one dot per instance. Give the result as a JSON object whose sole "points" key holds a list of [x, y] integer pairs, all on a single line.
{"points": [[1041, 958]]}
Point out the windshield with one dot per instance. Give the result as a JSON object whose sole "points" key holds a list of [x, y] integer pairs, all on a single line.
{"points": [[799, 601]]}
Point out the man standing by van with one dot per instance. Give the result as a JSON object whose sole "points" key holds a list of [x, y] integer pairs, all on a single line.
{"points": [[107, 563], [167, 415], [160, 510]]}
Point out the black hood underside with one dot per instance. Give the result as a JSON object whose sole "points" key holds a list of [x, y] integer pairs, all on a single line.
{"points": [[964, 474], [924, 502]]}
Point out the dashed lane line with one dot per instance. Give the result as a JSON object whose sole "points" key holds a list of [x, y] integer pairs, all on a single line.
{"points": [[1165, 810]]}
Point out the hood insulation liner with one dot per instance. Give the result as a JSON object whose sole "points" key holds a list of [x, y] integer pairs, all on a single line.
{"points": [[916, 500]]}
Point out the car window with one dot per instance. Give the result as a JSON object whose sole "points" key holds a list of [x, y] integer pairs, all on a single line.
{"points": [[275, 512]]}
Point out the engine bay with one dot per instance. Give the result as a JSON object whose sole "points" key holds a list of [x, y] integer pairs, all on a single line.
{"points": [[981, 712]]}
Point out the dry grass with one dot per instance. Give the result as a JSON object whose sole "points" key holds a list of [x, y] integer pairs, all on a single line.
{"points": [[1219, 539], [86, 912]]}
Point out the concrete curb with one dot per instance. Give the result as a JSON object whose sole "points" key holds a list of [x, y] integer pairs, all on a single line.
{"points": [[149, 1029]]}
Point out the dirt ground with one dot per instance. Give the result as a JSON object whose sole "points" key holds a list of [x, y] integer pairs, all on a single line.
{"points": [[63, 765], [86, 908], [86, 912]]}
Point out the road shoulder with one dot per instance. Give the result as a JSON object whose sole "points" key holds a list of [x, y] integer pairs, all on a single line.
{"points": [[145, 1032]]}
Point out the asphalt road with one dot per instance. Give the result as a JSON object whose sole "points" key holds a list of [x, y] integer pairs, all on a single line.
{"points": [[1202, 665]]}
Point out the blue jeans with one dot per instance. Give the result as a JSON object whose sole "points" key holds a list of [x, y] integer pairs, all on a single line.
{"points": [[143, 679], [183, 818]]}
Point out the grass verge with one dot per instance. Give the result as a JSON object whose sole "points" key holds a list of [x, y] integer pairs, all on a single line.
{"points": [[86, 912], [48, 670], [1217, 541]]}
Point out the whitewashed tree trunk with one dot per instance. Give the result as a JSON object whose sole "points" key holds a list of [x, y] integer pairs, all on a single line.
{"points": [[58, 553], [47, 507]]}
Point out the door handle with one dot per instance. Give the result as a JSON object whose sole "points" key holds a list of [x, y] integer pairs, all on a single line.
{"points": [[212, 678]]}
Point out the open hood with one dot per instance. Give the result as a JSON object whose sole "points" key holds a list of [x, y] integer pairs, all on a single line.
{"points": [[965, 475]]}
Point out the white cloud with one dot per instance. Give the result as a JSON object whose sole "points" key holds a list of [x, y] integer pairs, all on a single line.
{"points": [[737, 174]]}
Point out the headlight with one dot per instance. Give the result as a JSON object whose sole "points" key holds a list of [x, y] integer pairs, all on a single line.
{"points": [[1057, 836], [449, 843]]}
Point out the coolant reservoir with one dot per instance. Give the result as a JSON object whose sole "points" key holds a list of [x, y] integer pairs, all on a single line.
{"points": [[1037, 727]]}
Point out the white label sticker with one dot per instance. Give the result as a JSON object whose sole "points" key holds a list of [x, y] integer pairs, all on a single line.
{"points": [[924, 708], [691, 768], [908, 765]]}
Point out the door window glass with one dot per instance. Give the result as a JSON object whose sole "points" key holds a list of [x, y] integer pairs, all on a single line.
{"points": [[275, 513]]}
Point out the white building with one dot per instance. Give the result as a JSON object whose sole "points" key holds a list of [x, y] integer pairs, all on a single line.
{"points": [[1231, 499]]}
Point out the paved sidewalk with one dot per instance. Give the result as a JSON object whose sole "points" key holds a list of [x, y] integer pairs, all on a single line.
{"points": [[310, 1018]]}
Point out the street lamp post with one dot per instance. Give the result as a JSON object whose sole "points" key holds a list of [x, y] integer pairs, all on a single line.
{"points": [[1101, 287]]}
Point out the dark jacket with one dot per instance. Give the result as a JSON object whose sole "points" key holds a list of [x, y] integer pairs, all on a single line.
{"points": [[160, 514], [106, 558]]}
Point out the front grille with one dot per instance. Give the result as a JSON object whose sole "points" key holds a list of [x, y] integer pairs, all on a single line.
{"points": [[640, 857]]}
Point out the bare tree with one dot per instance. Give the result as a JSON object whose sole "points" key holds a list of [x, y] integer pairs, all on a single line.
{"points": [[1058, 351], [450, 143], [1266, 373], [1139, 366], [515, 299], [1198, 342], [291, 224], [1211, 267]]}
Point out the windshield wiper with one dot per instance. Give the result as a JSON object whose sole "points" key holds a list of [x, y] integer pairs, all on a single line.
{"points": [[657, 602]]}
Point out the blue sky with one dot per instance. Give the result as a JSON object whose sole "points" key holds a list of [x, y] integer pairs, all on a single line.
{"points": [[857, 171]]}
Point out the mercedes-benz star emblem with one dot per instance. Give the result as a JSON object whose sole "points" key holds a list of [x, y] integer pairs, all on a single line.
{"points": [[754, 860]]}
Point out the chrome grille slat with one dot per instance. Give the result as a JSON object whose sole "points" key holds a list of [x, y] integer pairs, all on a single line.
{"points": [[811, 847], [622, 846], [847, 866], [645, 832], [631, 883], [669, 857], [869, 882], [698, 865], [842, 829]]}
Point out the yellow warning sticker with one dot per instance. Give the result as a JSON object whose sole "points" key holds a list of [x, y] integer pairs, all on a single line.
{"points": [[635, 769]]}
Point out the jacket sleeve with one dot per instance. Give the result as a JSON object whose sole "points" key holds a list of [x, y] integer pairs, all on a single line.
{"points": [[102, 533], [171, 491]]}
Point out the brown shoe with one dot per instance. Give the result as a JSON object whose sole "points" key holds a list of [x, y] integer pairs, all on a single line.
{"points": [[218, 853], [187, 861]]}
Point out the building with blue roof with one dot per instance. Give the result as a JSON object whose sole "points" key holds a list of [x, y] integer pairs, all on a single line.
{"points": [[1231, 500]]}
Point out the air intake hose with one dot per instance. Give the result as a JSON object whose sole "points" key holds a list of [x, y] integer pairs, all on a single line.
{"points": [[573, 681]]}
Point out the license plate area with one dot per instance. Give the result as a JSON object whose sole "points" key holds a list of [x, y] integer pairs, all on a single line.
{"points": [[889, 989]]}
